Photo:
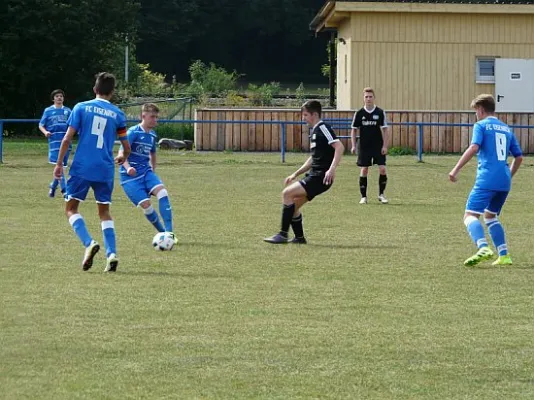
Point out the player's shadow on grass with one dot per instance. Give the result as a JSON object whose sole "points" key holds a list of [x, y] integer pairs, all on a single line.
{"points": [[195, 275], [489, 267], [207, 244], [353, 246]]}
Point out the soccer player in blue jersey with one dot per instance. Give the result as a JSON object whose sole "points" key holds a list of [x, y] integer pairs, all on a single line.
{"points": [[98, 123], [53, 125], [492, 141], [137, 173]]}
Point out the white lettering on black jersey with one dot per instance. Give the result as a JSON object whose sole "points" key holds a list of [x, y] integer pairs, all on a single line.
{"points": [[321, 141], [370, 125]]}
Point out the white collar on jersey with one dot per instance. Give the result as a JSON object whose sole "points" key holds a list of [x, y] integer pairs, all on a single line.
{"points": [[371, 110], [104, 100], [317, 124]]}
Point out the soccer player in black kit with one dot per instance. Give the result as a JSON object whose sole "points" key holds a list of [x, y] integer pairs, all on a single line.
{"points": [[370, 120], [326, 151]]}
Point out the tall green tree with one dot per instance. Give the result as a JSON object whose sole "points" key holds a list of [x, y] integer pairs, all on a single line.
{"points": [[49, 44], [264, 39]]}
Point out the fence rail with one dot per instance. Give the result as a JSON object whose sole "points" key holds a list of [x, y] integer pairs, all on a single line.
{"points": [[337, 124]]}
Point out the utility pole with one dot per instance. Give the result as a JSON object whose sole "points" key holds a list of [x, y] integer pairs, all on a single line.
{"points": [[126, 61]]}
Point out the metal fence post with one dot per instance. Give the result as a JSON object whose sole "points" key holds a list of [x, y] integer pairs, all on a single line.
{"points": [[1, 142], [420, 142], [283, 144]]}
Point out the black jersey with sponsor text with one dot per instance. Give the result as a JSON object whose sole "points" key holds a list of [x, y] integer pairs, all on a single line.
{"points": [[322, 152], [370, 124]]}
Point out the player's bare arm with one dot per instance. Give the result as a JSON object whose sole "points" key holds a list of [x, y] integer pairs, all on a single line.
{"points": [[153, 161], [123, 153], [516, 163], [353, 140], [44, 131], [385, 139], [331, 173], [305, 168], [65, 143], [466, 157]]}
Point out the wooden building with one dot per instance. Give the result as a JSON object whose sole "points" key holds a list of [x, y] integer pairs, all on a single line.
{"points": [[431, 55]]}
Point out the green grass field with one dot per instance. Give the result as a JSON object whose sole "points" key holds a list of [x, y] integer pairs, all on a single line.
{"points": [[376, 306]]}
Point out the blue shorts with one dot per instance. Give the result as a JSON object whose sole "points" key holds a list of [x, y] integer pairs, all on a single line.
{"points": [[139, 189], [52, 157], [481, 200], [77, 189]]}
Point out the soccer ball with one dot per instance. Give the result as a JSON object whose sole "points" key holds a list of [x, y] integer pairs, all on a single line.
{"points": [[163, 241]]}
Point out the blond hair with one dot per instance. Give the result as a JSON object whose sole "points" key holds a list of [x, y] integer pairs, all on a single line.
{"points": [[150, 107], [369, 90]]}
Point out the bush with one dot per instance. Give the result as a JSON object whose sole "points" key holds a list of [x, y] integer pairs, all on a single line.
{"points": [[234, 99], [210, 80], [263, 95], [401, 151], [175, 131], [299, 95]]}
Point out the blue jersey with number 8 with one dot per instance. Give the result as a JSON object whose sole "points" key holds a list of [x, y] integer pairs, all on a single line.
{"points": [[98, 123], [496, 141]]}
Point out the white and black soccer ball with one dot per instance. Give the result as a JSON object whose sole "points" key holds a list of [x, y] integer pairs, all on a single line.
{"points": [[163, 241]]}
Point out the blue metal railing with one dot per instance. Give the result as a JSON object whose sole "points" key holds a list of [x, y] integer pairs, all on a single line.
{"points": [[335, 123]]}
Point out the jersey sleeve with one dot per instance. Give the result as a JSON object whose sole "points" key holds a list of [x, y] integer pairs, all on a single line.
{"points": [[356, 123], [44, 118], [515, 148], [75, 118], [121, 127], [383, 120], [329, 134], [478, 134]]}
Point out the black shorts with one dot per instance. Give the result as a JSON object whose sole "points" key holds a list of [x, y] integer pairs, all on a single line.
{"points": [[314, 186], [367, 158]]}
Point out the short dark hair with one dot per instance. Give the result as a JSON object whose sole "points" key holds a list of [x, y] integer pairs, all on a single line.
{"points": [[54, 92], [312, 106], [486, 101], [105, 83]]}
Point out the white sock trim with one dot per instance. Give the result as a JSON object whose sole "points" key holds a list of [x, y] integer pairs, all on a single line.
{"points": [[469, 220], [162, 193], [488, 221], [73, 218], [108, 225], [148, 210]]}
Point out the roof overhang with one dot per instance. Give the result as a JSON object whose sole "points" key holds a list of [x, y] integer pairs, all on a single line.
{"points": [[334, 12]]}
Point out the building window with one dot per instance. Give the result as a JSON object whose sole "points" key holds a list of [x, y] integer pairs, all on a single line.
{"points": [[485, 70]]}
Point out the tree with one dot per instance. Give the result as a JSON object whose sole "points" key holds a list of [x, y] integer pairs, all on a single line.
{"points": [[49, 44], [264, 39]]}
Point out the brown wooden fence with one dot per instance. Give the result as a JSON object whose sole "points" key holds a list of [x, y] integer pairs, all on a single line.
{"points": [[266, 136]]}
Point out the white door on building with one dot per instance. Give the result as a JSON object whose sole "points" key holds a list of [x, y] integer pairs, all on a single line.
{"points": [[514, 85]]}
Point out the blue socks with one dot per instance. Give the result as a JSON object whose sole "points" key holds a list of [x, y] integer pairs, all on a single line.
{"points": [[108, 231], [476, 231], [153, 218], [78, 224], [496, 232], [165, 209]]}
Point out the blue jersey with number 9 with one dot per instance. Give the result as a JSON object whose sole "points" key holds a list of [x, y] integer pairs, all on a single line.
{"points": [[496, 141], [98, 123]]}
